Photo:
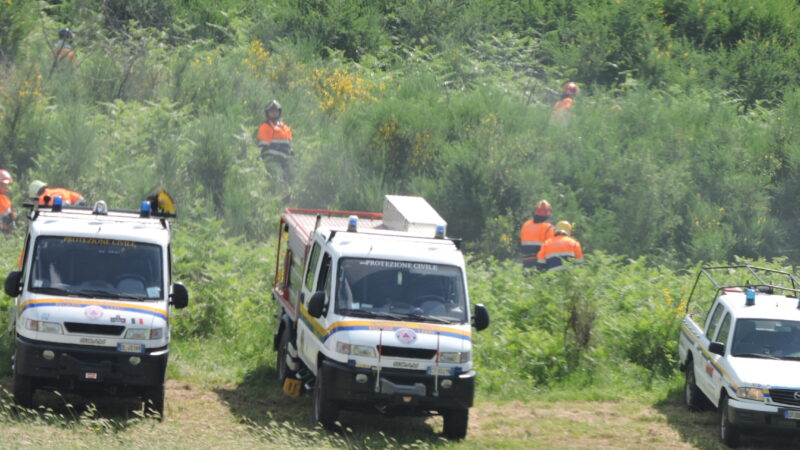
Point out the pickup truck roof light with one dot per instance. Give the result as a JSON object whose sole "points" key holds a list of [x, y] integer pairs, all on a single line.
{"points": [[352, 224], [100, 208], [57, 203], [144, 210], [750, 297], [439, 232]]}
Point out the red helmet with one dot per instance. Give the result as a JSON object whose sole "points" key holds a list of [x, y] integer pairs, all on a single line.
{"points": [[543, 209], [570, 89]]}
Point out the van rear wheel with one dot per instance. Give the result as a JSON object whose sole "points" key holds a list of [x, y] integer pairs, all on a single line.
{"points": [[692, 395]]}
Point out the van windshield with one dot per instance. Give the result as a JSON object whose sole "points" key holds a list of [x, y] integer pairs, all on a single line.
{"points": [[96, 268], [764, 338], [400, 290]]}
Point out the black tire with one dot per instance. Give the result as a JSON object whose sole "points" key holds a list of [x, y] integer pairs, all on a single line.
{"points": [[729, 433], [693, 397], [326, 410], [23, 390], [154, 400], [455, 424], [281, 368]]}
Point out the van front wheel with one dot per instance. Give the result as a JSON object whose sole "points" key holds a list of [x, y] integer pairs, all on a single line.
{"points": [[455, 423], [326, 410], [23, 390]]}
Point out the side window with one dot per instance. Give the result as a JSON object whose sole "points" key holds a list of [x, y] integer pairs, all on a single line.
{"points": [[312, 266], [724, 330], [323, 280], [713, 321]]}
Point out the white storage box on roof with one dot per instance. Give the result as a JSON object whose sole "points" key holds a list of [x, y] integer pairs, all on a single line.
{"points": [[410, 214]]}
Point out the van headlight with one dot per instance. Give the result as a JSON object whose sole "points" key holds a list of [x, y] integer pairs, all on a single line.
{"points": [[144, 333], [43, 327], [454, 357], [367, 351], [751, 393]]}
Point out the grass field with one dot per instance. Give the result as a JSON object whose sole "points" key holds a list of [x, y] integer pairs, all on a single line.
{"points": [[207, 412]]}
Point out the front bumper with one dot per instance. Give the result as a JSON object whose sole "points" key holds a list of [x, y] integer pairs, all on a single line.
{"points": [[84, 368], [399, 391], [761, 416]]}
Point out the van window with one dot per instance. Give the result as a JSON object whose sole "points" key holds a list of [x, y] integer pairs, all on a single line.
{"points": [[713, 322], [312, 266]]}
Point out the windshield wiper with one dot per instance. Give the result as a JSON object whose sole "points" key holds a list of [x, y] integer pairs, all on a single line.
{"points": [[426, 318], [755, 355], [97, 293], [53, 290], [370, 314]]}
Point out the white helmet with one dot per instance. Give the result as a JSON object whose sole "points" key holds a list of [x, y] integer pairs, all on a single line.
{"points": [[35, 187]]}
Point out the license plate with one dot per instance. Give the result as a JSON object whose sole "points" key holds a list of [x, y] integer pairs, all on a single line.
{"points": [[441, 371], [130, 348], [90, 375], [794, 415]]}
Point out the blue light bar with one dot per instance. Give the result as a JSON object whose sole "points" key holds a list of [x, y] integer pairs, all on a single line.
{"points": [[352, 223], [750, 295], [144, 211], [58, 202]]}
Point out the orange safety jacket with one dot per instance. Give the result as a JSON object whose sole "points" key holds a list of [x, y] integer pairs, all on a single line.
{"points": [[7, 215], [275, 138], [67, 197], [562, 108], [531, 237], [561, 247], [64, 50]]}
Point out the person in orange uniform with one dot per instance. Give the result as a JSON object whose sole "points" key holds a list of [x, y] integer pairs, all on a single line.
{"points": [[63, 48], [7, 214], [535, 232], [560, 248], [563, 107], [44, 195], [275, 138]]}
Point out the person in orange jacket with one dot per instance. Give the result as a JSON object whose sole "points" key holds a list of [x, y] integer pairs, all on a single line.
{"points": [[535, 232], [563, 107], [560, 248], [7, 214], [275, 137], [44, 195], [63, 47]]}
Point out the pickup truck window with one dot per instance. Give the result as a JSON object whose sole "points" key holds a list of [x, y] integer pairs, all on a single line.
{"points": [[724, 330], [713, 321], [400, 290], [97, 268], [312, 266], [763, 338]]}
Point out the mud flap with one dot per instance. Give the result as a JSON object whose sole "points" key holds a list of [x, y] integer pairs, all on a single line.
{"points": [[291, 387]]}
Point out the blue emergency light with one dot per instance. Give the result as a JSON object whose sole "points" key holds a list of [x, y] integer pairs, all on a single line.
{"points": [[750, 296], [352, 223], [439, 232], [144, 211], [57, 203]]}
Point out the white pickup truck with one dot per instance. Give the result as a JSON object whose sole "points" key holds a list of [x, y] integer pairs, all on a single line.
{"points": [[744, 355]]}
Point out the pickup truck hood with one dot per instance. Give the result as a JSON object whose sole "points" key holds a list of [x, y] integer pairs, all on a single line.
{"points": [[766, 372]]}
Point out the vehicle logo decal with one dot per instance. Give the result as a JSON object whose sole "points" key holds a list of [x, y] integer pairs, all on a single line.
{"points": [[114, 307], [93, 312], [406, 336], [797, 395]]}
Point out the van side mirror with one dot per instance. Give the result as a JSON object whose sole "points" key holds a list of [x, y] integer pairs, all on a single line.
{"points": [[180, 296], [13, 286], [480, 320], [316, 304], [716, 348]]}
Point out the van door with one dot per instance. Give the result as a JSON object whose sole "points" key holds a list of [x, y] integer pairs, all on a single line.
{"points": [[312, 330]]}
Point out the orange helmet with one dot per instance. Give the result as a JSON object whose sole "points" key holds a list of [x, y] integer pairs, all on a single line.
{"points": [[5, 180], [570, 89], [543, 209]]}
